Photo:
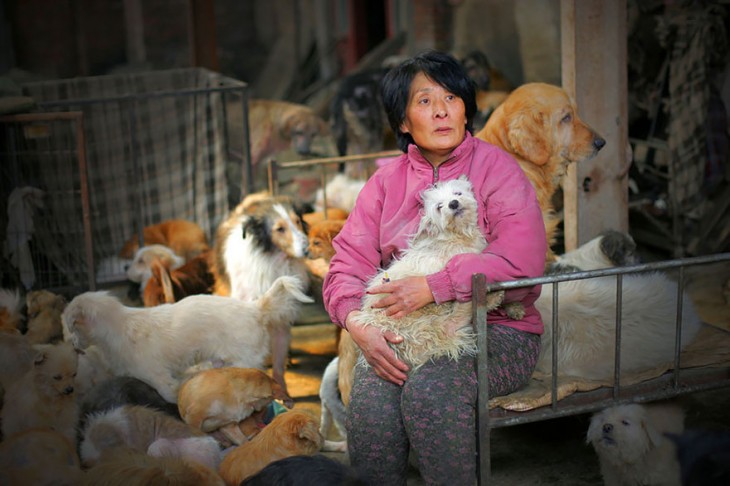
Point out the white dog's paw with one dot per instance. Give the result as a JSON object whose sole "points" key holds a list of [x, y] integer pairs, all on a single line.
{"points": [[515, 310], [494, 299]]}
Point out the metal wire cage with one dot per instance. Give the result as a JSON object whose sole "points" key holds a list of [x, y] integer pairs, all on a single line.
{"points": [[157, 145]]}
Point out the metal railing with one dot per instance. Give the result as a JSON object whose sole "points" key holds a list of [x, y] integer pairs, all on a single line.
{"points": [[676, 382]]}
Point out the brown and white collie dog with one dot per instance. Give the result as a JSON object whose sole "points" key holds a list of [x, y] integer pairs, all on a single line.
{"points": [[261, 240]]}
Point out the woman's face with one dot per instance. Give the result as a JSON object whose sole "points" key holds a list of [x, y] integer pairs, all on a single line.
{"points": [[435, 118]]}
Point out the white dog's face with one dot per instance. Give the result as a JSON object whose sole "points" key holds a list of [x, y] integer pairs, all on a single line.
{"points": [[449, 206], [622, 434]]}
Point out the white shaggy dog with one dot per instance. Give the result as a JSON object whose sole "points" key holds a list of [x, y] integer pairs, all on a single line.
{"points": [[448, 227], [587, 320], [158, 344], [631, 445]]}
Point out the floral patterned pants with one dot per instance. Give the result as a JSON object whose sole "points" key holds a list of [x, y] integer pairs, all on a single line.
{"points": [[433, 415]]}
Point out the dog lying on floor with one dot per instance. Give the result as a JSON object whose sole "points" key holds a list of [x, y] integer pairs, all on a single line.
{"points": [[220, 398], [126, 467], [538, 125], [154, 343], [446, 229], [184, 238], [292, 433], [587, 315], [146, 430], [631, 445]]}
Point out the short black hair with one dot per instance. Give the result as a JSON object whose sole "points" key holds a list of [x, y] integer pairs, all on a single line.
{"points": [[440, 67]]}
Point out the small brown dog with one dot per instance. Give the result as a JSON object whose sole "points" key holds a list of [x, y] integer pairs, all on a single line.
{"points": [[332, 214], [220, 398], [127, 467], [10, 317], [39, 456], [44, 317], [44, 396], [185, 238], [320, 249], [293, 433], [166, 286], [538, 125]]}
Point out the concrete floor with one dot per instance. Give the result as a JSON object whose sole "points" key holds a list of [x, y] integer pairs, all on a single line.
{"points": [[552, 452]]}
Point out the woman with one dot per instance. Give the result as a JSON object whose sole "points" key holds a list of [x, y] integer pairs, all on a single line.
{"points": [[430, 103]]}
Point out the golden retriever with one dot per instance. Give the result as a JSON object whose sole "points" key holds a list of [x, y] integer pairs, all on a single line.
{"points": [[276, 126], [184, 238], [220, 398], [292, 433], [538, 124]]}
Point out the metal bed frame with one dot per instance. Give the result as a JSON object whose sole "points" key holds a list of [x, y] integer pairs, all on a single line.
{"points": [[671, 384]]}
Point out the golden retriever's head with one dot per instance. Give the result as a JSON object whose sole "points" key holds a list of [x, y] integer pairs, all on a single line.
{"points": [[539, 123], [321, 235], [301, 126]]}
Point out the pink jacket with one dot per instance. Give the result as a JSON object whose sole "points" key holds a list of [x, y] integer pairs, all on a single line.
{"points": [[387, 212]]}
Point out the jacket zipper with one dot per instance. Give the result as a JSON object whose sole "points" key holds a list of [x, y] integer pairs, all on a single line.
{"points": [[435, 175]]}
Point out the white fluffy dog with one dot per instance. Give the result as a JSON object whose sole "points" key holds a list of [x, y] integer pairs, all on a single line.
{"points": [[448, 227], [158, 344], [631, 446], [587, 320]]}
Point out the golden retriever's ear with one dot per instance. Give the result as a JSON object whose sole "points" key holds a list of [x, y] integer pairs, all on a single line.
{"points": [[528, 133]]}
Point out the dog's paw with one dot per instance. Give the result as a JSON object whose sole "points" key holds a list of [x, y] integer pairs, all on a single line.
{"points": [[494, 299], [515, 310]]}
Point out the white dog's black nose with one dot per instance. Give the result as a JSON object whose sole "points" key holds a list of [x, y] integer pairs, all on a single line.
{"points": [[454, 204], [607, 428]]}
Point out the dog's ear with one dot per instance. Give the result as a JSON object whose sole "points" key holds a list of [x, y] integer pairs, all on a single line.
{"points": [[528, 134], [258, 229]]}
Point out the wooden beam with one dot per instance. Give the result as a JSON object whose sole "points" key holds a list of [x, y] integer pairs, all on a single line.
{"points": [[594, 72], [204, 43]]}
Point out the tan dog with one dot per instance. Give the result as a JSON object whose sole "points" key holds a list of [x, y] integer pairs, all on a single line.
{"points": [[276, 126], [220, 398], [538, 125], [332, 214], [44, 396], [321, 250], [631, 445], [126, 467], [146, 430], [44, 316], [293, 433], [140, 270], [183, 237], [39, 456]]}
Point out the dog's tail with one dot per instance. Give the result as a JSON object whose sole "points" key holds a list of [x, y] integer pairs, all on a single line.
{"points": [[280, 304]]}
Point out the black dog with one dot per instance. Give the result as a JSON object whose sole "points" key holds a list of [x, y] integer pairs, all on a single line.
{"points": [[306, 470]]}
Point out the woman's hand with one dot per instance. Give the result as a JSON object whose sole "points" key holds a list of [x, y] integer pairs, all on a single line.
{"points": [[406, 295], [374, 346]]}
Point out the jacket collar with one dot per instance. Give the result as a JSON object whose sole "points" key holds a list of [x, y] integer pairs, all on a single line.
{"points": [[463, 152]]}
